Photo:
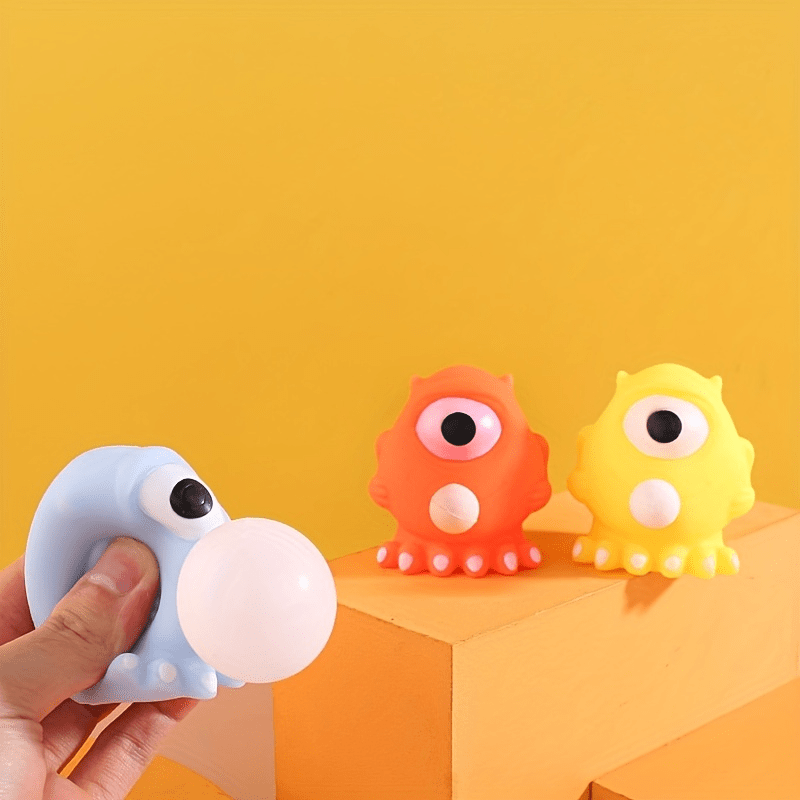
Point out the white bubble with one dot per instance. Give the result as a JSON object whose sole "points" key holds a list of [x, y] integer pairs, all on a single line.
{"points": [[454, 508], [256, 600], [655, 503]]}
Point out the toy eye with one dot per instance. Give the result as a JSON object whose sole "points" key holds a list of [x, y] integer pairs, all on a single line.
{"points": [[458, 429], [665, 427], [174, 496], [190, 499]]}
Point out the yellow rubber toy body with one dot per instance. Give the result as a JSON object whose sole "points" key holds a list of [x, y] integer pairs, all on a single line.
{"points": [[663, 470]]}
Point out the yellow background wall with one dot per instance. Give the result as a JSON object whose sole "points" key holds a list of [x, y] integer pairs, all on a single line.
{"points": [[237, 229]]}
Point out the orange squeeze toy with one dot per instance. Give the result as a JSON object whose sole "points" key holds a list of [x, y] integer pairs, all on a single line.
{"points": [[460, 471]]}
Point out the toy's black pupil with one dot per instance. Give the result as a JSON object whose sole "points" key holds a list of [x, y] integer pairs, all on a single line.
{"points": [[458, 428], [664, 426], [190, 499]]}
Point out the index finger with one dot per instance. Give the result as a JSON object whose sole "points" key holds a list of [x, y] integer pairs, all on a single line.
{"points": [[15, 616]]}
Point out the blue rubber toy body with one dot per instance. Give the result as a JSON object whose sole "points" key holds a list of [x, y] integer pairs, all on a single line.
{"points": [[127, 491]]}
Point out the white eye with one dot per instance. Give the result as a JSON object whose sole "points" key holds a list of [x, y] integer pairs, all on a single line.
{"points": [[665, 427], [458, 429], [174, 496]]}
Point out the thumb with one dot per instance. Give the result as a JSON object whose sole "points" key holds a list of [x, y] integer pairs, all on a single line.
{"points": [[99, 618]]}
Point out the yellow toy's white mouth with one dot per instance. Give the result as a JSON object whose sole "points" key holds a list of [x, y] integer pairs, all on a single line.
{"points": [[655, 503]]}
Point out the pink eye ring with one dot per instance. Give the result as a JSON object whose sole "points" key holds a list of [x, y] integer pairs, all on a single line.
{"points": [[458, 429]]}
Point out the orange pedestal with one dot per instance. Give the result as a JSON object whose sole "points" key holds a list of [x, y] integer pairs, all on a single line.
{"points": [[747, 754], [531, 686], [162, 780]]}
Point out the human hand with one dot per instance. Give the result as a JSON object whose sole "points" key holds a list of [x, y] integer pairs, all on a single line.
{"points": [[40, 727]]}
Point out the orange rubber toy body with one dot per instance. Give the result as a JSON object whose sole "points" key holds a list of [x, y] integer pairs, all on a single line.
{"points": [[460, 471]]}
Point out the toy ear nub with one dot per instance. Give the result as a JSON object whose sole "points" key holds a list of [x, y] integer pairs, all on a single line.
{"points": [[716, 382], [621, 375], [509, 379], [415, 379]]}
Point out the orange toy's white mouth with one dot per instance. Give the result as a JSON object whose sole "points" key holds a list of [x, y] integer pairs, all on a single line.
{"points": [[454, 508]]}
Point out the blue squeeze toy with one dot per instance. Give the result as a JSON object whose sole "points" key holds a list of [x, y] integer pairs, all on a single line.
{"points": [[249, 600]]}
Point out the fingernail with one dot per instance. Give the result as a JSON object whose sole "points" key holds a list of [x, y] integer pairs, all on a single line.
{"points": [[117, 570]]}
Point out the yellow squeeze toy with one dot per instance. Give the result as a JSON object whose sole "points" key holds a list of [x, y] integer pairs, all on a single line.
{"points": [[663, 471]]}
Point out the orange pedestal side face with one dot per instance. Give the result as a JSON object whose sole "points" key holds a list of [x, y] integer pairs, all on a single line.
{"points": [[531, 687], [460, 471], [747, 754], [162, 780]]}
